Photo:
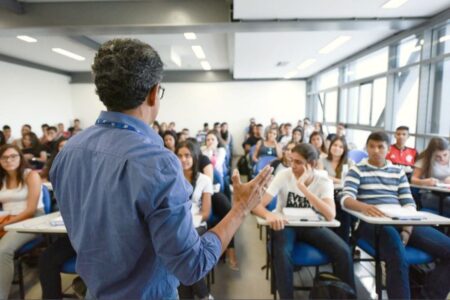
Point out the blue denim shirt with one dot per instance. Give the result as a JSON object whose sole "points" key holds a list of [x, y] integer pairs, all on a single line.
{"points": [[124, 201]]}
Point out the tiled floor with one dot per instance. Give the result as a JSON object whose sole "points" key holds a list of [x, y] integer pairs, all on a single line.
{"points": [[247, 283]]}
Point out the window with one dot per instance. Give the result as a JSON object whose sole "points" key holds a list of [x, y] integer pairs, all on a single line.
{"points": [[329, 79], [441, 40], [406, 98], [349, 105], [409, 50], [378, 102], [369, 65], [440, 123], [365, 100], [331, 105]]}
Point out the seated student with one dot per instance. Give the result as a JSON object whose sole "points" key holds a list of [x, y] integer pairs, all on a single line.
{"points": [[170, 140], [254, 137], [336, 163], [268, 146], [318, 128], [215, 151], [297, 135], [316, 139], [58, 146], [433, 167], [33, 151], [188, 154], [398, 153], [2, 139], [221, 205], [225, 135], [20, 196], [336, 160], [285, 162], [376, 181], [340, 132], [25, 129], [303, 186], [8, 135], [287, 135], [50, 139]]}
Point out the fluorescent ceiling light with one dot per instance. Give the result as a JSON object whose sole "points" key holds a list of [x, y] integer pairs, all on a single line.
{"points": [[27, 38], [199, 52], [175, 58], [306, 64], [394, 4], [290, 74], [444, 38], [205, 65], [190, 36], [68, 54], [335, 44]]}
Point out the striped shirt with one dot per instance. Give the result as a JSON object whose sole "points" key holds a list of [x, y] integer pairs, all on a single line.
{"points": [[374, 185]]}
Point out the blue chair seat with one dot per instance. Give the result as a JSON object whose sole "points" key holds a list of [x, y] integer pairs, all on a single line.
{"points": [[29, 246], [306, 255], [414, 256], [69, 266]]}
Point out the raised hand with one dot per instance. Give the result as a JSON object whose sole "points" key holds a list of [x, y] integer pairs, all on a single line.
{"points": [[249, 195]]}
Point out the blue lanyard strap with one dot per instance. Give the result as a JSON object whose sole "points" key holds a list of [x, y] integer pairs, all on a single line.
{"points": [[118, 125]]}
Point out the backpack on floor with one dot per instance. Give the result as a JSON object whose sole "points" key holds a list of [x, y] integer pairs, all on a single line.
{"points": [[328, 286]]}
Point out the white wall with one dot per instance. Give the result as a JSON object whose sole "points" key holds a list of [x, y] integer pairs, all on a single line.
{"points": [[192, 104], [34, 97]]}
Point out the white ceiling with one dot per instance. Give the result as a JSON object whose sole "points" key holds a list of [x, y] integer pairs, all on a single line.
{"points": [[248, 54], [292, 9], [41, 52], [214, 46], [256, 54]]}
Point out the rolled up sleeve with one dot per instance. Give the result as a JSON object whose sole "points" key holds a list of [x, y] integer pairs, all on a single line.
{"points": [[176, 242]]}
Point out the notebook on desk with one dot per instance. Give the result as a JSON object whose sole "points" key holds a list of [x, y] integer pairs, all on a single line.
{"points": [[443, 185], [396, 212], [301, 214], [57, 221]]}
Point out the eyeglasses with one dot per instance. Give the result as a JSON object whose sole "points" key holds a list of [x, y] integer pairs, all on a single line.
{"points": [[10, 157], [161, 92]]}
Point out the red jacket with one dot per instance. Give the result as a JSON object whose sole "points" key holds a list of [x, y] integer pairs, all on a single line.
{"points": [[406, 156]]}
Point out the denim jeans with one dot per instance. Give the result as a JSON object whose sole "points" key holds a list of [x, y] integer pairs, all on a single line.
{"points": [[319, 237], [431, 200], [392, 252]]}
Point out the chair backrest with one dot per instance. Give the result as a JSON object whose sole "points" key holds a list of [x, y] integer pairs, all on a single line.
{"points": [[47, 200], [357, 155], [262, 162], [272, 204]]}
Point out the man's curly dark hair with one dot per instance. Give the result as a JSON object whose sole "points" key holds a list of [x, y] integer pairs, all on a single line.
{"points": [[125, 70]]}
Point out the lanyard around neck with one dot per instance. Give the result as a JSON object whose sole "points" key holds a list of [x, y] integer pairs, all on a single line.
{"points": [[118, 125]]}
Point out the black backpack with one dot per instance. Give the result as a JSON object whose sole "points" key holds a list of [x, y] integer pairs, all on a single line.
{"points": [[328, 286]]}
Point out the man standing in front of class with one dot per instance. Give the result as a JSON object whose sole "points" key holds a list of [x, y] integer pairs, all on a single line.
{"points": [[123, 196]]}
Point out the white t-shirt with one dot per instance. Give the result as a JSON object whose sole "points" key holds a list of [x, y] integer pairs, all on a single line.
{"points": [[14, 201], [437, 170], [285, 186], [203, 185]]}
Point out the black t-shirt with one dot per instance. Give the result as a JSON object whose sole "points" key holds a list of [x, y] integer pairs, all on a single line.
{"points": [[252, 140], [36, 151], [203, 161]]}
